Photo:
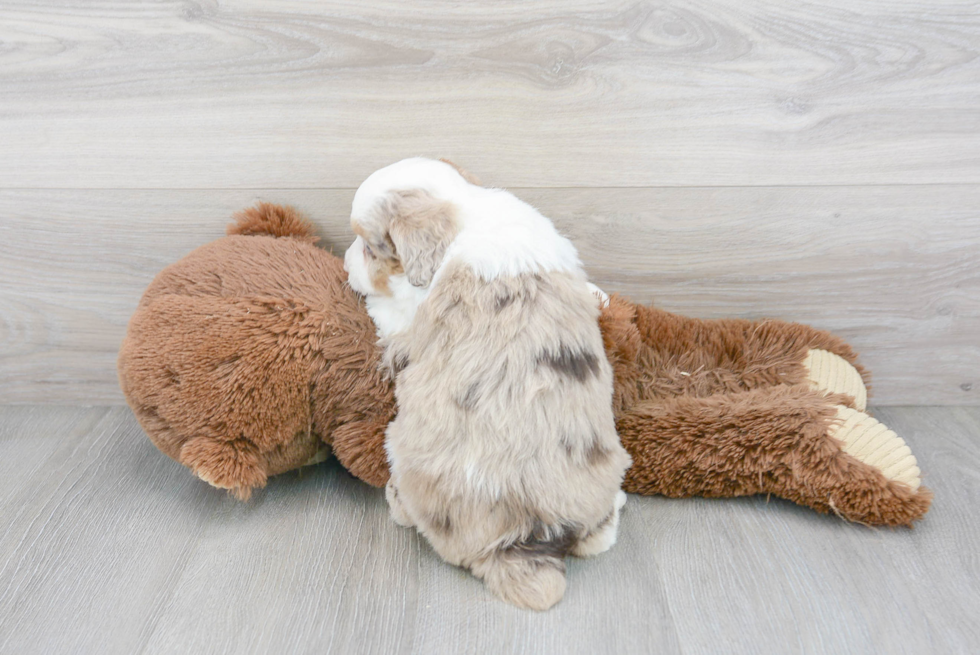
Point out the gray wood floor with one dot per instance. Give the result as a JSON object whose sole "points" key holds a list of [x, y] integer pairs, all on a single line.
{"points": [[110, 547]]}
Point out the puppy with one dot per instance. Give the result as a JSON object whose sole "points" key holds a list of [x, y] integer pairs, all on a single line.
{"points": [[504, 452]]}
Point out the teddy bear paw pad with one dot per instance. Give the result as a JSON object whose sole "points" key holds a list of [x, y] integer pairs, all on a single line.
{"points": [[832, 373], [866, 439]]}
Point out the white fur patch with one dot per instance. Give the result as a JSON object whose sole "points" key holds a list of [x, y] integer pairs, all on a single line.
{"points": [[394, 313], [356, 267], [503, 235], [499, 234]]}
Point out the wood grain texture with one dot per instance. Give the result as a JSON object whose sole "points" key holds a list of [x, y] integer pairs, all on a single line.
{"points": [[894, 270], [250, 94], [110, 547]]}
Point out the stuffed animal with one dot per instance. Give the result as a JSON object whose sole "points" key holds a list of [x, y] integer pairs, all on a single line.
{"points": [[251, 357]]}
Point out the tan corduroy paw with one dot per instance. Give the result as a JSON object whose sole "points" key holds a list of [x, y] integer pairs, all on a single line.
{"points": [[834, 374], [871, 442]]}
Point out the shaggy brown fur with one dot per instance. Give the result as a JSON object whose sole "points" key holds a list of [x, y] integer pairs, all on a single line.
{"points": [[250, 353], [720, 409]]}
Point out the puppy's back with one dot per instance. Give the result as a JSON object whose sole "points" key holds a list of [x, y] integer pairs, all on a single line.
{"points": [[505, 405]]}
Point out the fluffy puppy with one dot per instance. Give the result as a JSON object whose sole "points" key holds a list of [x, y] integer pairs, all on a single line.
{"points": [[504, 452]]}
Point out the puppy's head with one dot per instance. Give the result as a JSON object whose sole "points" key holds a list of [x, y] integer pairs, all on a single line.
{"points": [[405, 217]]}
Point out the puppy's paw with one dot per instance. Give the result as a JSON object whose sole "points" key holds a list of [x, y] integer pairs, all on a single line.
{"points": [[395, 506], [603, 537], [620, 499], [600, 295]]}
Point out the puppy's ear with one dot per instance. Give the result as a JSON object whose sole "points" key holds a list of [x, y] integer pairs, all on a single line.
{"points": [[421, 227], [469, 177]]}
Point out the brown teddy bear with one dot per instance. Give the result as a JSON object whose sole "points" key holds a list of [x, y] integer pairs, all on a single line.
{"points": [[252, 356]]}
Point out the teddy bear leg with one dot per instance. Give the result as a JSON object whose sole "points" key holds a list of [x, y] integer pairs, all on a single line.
{"points": [[793, 442], [875, 480], [735, 354], [831, 373], [603, 536], [866, 439], [801, 354]]}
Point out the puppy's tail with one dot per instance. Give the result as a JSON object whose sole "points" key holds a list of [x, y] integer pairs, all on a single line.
{"points": [[272, 220], [530, 575]]}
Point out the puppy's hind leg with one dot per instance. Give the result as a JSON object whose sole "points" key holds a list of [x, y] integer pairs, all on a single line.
{"points": [[602, 537]]}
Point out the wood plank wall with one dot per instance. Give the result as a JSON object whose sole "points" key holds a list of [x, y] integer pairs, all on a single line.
{"points": [[817, 162]]}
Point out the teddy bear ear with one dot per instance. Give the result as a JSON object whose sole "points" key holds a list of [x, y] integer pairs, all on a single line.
{"points": [[421, 227]]}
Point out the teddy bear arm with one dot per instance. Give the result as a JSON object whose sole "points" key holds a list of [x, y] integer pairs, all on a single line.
{"points": [[360, 447], [792, 442]]}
